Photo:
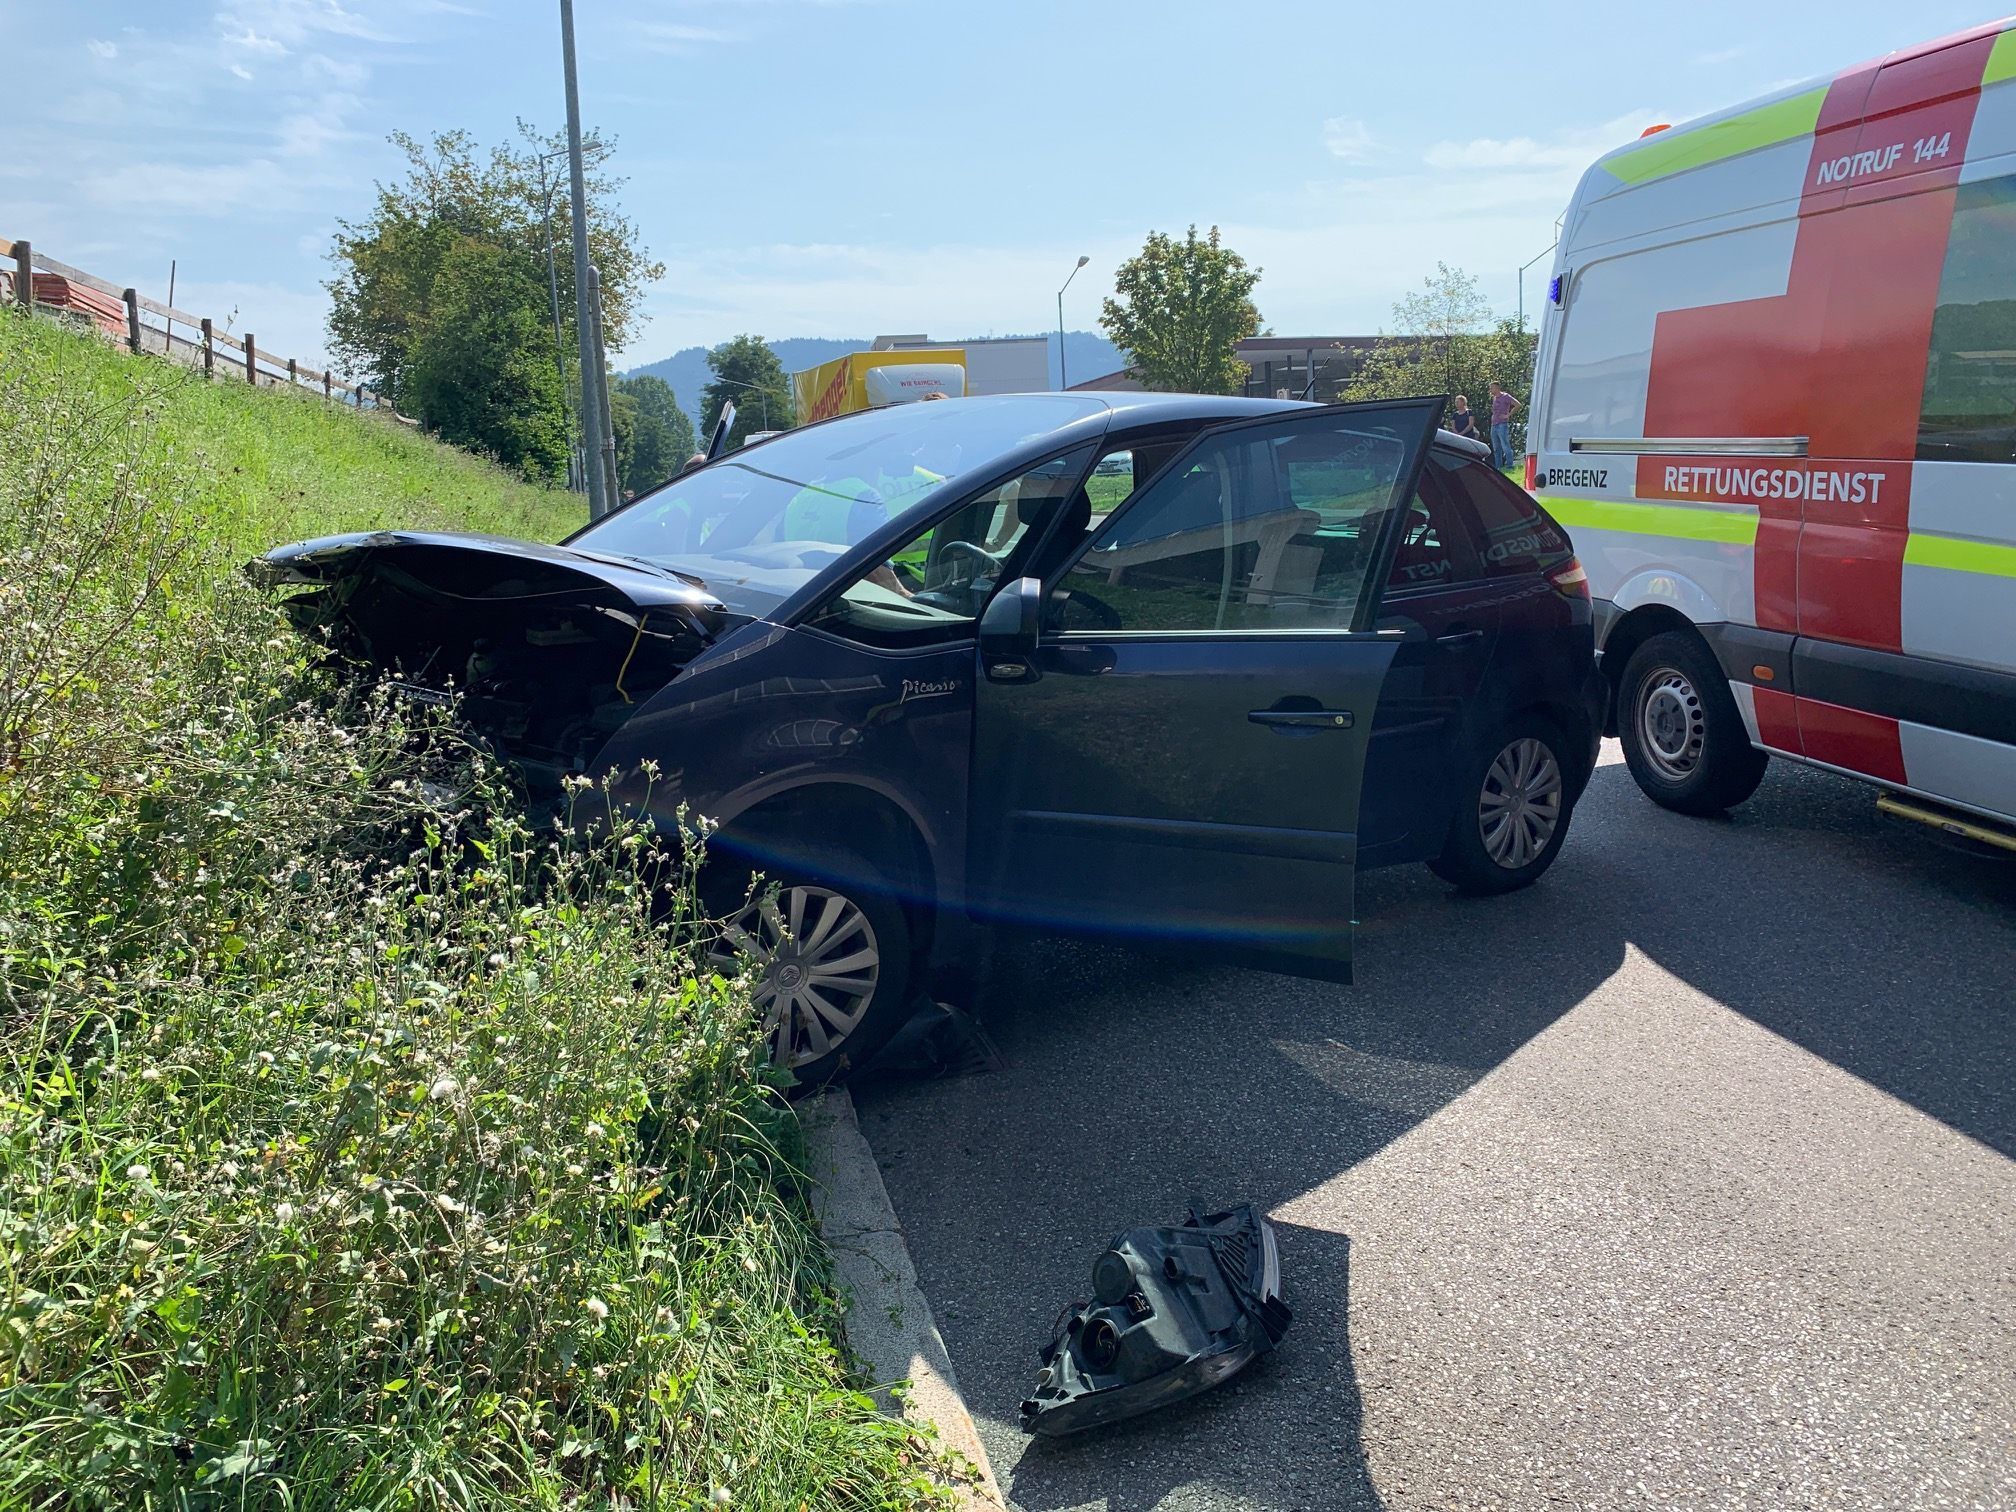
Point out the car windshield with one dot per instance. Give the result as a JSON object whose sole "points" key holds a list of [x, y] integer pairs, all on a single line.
{"points": [[760, 524]]}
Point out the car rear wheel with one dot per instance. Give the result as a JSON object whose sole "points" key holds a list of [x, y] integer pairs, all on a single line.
{"points": [[1516, 806], [832, 961], [1682, 733]]}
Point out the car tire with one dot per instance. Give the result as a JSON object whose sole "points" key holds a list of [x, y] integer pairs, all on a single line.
{"points": [[1517, 798], [845, 909], [1682, 733]]}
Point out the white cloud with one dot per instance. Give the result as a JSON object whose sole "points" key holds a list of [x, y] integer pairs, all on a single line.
{"points": [[1349, 138], [251, 42], [672, 37], [1720, 56], [310, 132], [239, 70], [1571, 149], [182, 186], [106, 50]]}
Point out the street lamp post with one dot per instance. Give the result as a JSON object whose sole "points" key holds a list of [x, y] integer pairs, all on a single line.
{"points": [[1063, 372], [1522, 282], [762, 395]]}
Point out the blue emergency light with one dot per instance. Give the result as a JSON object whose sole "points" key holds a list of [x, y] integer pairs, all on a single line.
{"points": [[1554, 289]]}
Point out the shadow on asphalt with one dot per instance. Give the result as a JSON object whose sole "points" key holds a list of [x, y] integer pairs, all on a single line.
{"points": [[1136, 1081]]}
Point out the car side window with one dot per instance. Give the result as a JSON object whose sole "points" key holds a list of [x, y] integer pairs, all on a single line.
{"points": [[936, 583], [1112, 480], [1255, 529], [1513, 535], [1434, 549]]}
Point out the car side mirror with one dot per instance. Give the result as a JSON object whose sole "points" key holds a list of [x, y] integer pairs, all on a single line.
{"points": [[1012, 621]]}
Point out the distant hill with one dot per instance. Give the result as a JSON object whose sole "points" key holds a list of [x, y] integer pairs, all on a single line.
{"points": [[686, 370]]}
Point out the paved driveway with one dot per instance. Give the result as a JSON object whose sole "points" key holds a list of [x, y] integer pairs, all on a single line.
{"points": [[1683, 1178]]}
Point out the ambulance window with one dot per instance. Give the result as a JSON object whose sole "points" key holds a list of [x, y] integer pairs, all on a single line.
{"points": [[1514, 536], [1969, 413]]}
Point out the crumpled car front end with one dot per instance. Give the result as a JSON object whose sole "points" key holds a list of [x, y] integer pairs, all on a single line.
{"points": [[544, 652]]}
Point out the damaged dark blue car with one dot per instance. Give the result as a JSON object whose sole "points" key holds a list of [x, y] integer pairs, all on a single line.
{"points": [[1160, 666]]}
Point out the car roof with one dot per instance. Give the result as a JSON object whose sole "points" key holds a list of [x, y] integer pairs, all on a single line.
{"points": [[1114, 416]]}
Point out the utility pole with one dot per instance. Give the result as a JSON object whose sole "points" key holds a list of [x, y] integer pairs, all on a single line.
{"points": [[592, 416]]}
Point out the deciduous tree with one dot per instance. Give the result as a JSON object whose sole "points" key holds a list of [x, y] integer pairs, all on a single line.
{"points": [[747, 374], [1182, 309], [478, 373], [387, 295], [1445, 340], [654, 437]]}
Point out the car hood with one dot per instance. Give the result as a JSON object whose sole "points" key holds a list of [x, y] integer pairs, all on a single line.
{"points": [[474, 565], [542, 651]]}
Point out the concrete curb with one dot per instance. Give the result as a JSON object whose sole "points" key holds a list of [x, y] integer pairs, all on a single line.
{"points": [[889, 1324]]}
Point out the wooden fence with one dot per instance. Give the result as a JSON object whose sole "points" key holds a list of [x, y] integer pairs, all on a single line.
{"points": [[145, 325]]}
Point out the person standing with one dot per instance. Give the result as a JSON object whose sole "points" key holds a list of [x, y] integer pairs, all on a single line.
{"points": [[1502, 407], [1464, 420]]}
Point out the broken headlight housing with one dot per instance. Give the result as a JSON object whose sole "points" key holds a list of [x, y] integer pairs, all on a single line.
{"points": [[1174, 1311]]}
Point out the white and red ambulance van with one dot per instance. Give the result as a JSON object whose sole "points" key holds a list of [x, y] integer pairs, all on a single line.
{"points": [[1775, 402]]}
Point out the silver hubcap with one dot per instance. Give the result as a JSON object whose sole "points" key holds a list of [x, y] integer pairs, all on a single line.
{"points": [[1672, 725], [1521, 805], [819, 962]]}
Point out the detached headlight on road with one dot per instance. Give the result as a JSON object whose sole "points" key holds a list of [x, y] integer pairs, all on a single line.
{"points": [[1174, 1312]]}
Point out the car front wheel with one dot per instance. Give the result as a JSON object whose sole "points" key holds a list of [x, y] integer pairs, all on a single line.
{"points": [[832, 964], [1514, 812]]}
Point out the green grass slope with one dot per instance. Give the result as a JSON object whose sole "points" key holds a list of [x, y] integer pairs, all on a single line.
{"points": [[269, 465], [356, 1151]]}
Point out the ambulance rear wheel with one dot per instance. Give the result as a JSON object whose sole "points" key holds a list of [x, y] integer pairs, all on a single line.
{"points": [[1682, 734]]}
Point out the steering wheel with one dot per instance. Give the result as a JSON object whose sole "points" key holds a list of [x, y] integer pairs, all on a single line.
{"points": [[986, 557]]}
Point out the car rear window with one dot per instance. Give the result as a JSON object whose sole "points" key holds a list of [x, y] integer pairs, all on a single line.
{"points": [[1514, 534]]}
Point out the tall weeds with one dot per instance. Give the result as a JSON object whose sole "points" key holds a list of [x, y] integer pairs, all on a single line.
{"points": [[355, 1151]]}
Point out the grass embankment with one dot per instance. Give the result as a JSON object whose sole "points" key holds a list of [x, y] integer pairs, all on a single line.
{"points": [[352, 1154]]}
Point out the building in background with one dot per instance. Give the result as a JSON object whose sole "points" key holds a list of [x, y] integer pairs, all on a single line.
{"points": [[1282, 367]]}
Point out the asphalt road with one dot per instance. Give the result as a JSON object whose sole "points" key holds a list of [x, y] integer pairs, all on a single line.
{"points": [[1683, 1178]]}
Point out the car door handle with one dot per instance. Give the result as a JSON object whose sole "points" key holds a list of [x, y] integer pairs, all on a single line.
{"points": [[1457, 638], [1304, 719]]}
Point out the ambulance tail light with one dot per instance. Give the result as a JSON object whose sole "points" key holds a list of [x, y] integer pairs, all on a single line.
{"points": [[1532, 472], [1570, 578]]}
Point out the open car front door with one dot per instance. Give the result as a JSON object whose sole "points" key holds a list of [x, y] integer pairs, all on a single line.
{"points": [[1176, 753]]}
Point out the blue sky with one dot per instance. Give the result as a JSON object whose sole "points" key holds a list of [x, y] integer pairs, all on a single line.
{"points": [[848, 167]]}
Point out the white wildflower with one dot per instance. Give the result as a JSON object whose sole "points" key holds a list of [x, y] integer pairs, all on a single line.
{"points": [[151, 1074], [447, 1204], [443, 1089], [265, 1057], [597, 1308], [595, 1131], [284, 1212], [719, 1495], [136, 1173]]}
